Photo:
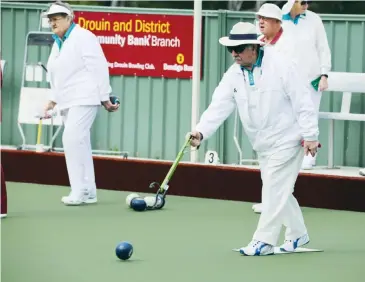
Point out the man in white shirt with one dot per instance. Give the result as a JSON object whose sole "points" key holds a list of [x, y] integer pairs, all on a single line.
{"points": [[79, 79], [308, 49], [312, 52], [269, 20], [277, 114]]}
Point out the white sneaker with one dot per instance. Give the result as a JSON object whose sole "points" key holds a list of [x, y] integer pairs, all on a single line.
{"points": [[64, 198], [3, 215], [75, 200], [91, 199], [257, 248], [291, 245], [257, 208]]}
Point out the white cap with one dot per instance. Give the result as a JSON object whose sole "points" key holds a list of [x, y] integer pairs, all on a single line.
{"points": [[269, 10], [57, 9]]}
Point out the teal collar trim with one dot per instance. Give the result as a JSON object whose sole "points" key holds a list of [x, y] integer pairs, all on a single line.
{"points": [[287, 17], [257, 64], [60, 41]]}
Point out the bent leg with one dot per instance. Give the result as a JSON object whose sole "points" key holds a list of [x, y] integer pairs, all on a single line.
{"points": [[279, 174]]}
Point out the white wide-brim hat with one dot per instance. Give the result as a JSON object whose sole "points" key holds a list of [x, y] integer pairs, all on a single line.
{"points": [[271, 11], [57, 9], [241, 33]]}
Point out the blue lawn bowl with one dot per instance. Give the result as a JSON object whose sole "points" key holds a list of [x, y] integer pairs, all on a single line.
{"points": [[114, 100], [138, 204], [124, 250]]}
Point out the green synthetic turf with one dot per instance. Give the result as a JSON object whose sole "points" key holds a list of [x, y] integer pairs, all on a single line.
{"points": [[191, 240]]}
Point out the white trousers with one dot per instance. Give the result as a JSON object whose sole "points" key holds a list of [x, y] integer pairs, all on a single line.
{"points": [[316, 98], [77, 146], [279, 172]]}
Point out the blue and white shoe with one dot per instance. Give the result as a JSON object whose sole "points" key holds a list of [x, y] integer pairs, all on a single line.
{"points": [[257, 248], [291, 245]]}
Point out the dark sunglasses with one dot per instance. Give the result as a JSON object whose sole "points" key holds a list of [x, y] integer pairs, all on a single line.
{"points": [[240, 48], [304, 2]]}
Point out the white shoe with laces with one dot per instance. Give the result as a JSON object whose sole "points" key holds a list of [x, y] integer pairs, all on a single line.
{"points": [[257, 248], [90, 199], [291, 245], [76, 199]]}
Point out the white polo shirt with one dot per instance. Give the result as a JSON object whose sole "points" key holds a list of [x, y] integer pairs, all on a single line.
{"points": [[281, 42]]}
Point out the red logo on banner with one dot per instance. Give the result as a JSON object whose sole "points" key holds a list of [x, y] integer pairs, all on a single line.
{"points": [[143, 44]]}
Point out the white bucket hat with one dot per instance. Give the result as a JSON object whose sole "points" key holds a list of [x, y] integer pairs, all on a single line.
{"points": [[57, 9], [269, 10], [241, 33]]}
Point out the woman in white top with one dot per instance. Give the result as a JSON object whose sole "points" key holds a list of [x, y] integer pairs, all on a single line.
{"points": [[79, 79]]}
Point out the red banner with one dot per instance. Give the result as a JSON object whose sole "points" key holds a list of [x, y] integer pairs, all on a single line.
{"points": [[143, 44]]}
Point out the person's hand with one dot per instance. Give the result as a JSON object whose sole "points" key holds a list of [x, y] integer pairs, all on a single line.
{"points": [[49, 106], [323, 84], [110, 107], [196, 138], [310, 147]]}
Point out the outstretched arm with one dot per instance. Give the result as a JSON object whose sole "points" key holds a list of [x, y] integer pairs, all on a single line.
{"points": [[221, 106]]}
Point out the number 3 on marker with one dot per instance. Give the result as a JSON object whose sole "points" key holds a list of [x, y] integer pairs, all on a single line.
{"points": [[211, 157]]}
